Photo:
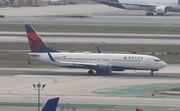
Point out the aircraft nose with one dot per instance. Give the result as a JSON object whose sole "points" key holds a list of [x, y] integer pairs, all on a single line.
{"points": [[163, 64]]}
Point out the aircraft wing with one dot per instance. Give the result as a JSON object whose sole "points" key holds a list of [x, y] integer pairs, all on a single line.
{"points": [[72, 63], [79, 63], [144, 5]]}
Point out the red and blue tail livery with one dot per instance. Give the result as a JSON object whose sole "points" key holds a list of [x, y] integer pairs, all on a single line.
{"points": [[35, 42]]}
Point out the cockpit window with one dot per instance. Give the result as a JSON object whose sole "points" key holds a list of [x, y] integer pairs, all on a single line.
{"points": [[157, 60]]}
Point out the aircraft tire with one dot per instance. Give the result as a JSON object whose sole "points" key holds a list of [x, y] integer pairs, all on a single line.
{"points": [[149, 14], [90, 72], [152, 73], [160, 14]]}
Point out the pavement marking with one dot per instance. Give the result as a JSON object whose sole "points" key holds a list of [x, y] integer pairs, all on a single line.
{"points": [[138, 90], [92, 23], [99, 106], [10, 92], [55, 81], [55, 76]]}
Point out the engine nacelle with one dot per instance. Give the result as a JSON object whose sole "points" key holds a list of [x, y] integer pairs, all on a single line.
{"points": [[161, 10], [103, 69]]}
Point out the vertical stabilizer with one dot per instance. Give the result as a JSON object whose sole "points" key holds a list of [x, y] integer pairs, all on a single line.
{"points": [[50, 104], [35, 42]]}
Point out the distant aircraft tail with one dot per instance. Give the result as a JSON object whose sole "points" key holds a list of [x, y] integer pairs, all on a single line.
{"points": [[35, 42], [50, 104]]}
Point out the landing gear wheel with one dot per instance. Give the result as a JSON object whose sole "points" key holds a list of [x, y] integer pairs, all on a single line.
{"points": [[98, 72], [90, 72], [150, 14], [152, 73], [160, 14]]}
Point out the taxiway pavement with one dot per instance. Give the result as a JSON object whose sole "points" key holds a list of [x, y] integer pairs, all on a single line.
{"points": [[76, 87], [83, 14], [94, 38]]}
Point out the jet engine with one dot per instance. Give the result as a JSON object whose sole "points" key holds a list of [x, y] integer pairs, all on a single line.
{"points": [[161, 10], [103, 69]]}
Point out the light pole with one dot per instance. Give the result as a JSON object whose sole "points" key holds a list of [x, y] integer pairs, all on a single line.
{"points": [[38, 88]]}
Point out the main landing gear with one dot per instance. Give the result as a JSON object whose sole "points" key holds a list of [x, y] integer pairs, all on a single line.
{"points": [[90, 72], [149, 14], [152, 73]]}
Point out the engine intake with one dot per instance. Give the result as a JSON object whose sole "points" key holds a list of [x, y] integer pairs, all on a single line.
{"points": [[103, 69], [161, 10]]}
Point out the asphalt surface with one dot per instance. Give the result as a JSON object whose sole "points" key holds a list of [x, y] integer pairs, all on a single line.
{"points": [[94, 38], [84, 35], [75, 86], [85, 14], [71, 86], [82, 72]]}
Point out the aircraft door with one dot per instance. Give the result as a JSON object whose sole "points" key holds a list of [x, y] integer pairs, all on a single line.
{"points": [[48, 60], [147, 61]]}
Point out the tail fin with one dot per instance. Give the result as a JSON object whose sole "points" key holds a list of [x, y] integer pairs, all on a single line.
{"points": [[50, 104], [99, 49], [35, 42]]}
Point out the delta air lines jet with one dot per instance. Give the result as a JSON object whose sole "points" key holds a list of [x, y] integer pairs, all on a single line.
{"points": [[98, 62], [160, 7]]}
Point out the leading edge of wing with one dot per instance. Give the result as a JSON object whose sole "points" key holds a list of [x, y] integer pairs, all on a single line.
{"points": [[78, 63]]}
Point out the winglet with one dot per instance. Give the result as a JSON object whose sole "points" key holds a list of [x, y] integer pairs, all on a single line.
{"points": [[50, 104], [51, 58], [99, 49], [35, 42]]}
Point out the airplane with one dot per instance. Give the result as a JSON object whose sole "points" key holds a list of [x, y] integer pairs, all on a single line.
{"points": [[50, 104], [160, 7], [101, 63]]}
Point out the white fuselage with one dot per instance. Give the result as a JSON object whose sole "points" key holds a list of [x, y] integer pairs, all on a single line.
{"points": [[146, 4], [124, 61], [173, 3]]}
